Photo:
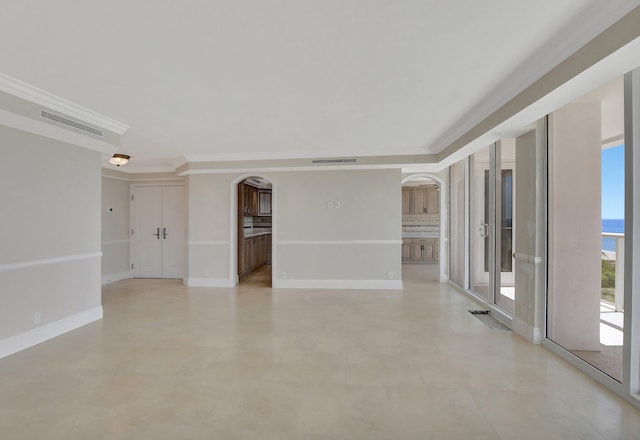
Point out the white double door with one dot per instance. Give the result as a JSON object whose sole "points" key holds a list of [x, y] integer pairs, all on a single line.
{"points": [[158, 231]]}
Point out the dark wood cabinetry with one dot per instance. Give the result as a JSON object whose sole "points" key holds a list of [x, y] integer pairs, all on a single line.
{"points": [[264, 202], [247, 200], [254, 251], [253, 201]]}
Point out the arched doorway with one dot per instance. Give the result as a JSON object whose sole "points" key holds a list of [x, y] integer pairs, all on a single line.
{"points": [[252, 226], [424, 225]]}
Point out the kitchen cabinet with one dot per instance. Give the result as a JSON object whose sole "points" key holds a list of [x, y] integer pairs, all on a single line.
{"points": [[254, 252], [420, 250], [264, 202], [433, 200], [406, 200], [420, 200], [406, 249], [253, 201]]}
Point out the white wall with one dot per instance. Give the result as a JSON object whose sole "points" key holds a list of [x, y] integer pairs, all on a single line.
{"points": [[356, 245], [49, 237], [116, 264], [359, 241]]}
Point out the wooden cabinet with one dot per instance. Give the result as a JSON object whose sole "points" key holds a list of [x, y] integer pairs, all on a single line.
{"points": [[264, 202], [254, 252], [406, 249], [433, 200], [406, 200], [421, 250], [253, 201], [420, 200]]}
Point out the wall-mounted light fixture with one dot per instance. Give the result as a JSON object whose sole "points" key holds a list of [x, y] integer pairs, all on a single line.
{"points": [[119, 159]]}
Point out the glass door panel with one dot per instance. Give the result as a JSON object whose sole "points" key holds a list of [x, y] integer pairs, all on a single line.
{"points": [[457, 222], [505, 295], [479, 230]]}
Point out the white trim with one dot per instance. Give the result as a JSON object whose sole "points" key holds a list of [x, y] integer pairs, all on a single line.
{"points": [[131, 169], [48, 261], [207, 282], [45, 332], [110, 242], [50, 131], [207, 243], [527, 331], [114, 177], [338, 242], [112, 278], [294, 168], [338, 284], [134, 180], [33, 94]]}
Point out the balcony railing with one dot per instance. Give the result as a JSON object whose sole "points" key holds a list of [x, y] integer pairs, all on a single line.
{"points": [[618, 254]]}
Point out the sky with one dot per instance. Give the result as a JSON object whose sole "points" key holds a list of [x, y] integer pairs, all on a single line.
{"points": [[613, 183]]}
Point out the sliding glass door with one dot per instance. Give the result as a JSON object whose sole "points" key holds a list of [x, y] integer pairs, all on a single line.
{"points": [[491, 219], [585, 305]]}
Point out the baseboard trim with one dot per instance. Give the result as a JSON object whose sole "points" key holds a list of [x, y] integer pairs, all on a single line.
{"points": [[338, 284], [207, 282], [106, 279], [45, 332], [529, 332]]}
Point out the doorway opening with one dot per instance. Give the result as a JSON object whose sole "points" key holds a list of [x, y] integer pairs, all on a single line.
{"points": [[421, 227], [254, 246]]}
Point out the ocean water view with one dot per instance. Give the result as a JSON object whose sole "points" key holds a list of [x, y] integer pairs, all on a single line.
{"points": [[612, 226]]}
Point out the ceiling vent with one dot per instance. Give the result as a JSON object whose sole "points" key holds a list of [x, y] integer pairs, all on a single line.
{"points": [[323, 161], [70, 123]]}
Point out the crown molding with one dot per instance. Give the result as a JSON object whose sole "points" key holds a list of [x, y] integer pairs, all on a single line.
{"points": [[38, 96]]}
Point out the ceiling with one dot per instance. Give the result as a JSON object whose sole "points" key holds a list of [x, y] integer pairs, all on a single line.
{"points": [[233, 80]]}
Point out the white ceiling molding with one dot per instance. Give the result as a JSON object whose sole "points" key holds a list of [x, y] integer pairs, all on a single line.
{"points": [[38, 96], [50, 131], [233, 157], [290, 169]]}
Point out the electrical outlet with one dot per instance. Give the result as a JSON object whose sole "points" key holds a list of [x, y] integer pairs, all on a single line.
{"points": [[337, 205], [389, 275], [37, 317]]}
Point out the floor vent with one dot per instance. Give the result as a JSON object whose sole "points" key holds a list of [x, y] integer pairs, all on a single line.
{"points": [[321, 161], [70, 123], [488, 320]]}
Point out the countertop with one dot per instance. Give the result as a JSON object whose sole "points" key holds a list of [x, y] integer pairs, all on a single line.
{"points": [[420, 235], [420, 231], [255, 232]]}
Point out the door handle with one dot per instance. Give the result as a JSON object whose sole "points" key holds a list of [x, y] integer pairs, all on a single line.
{"points": [[484, 230], [164, 233], [157, 234]]}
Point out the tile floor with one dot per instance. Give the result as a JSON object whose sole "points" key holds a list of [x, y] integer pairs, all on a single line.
{"points": [[170, 362]]}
